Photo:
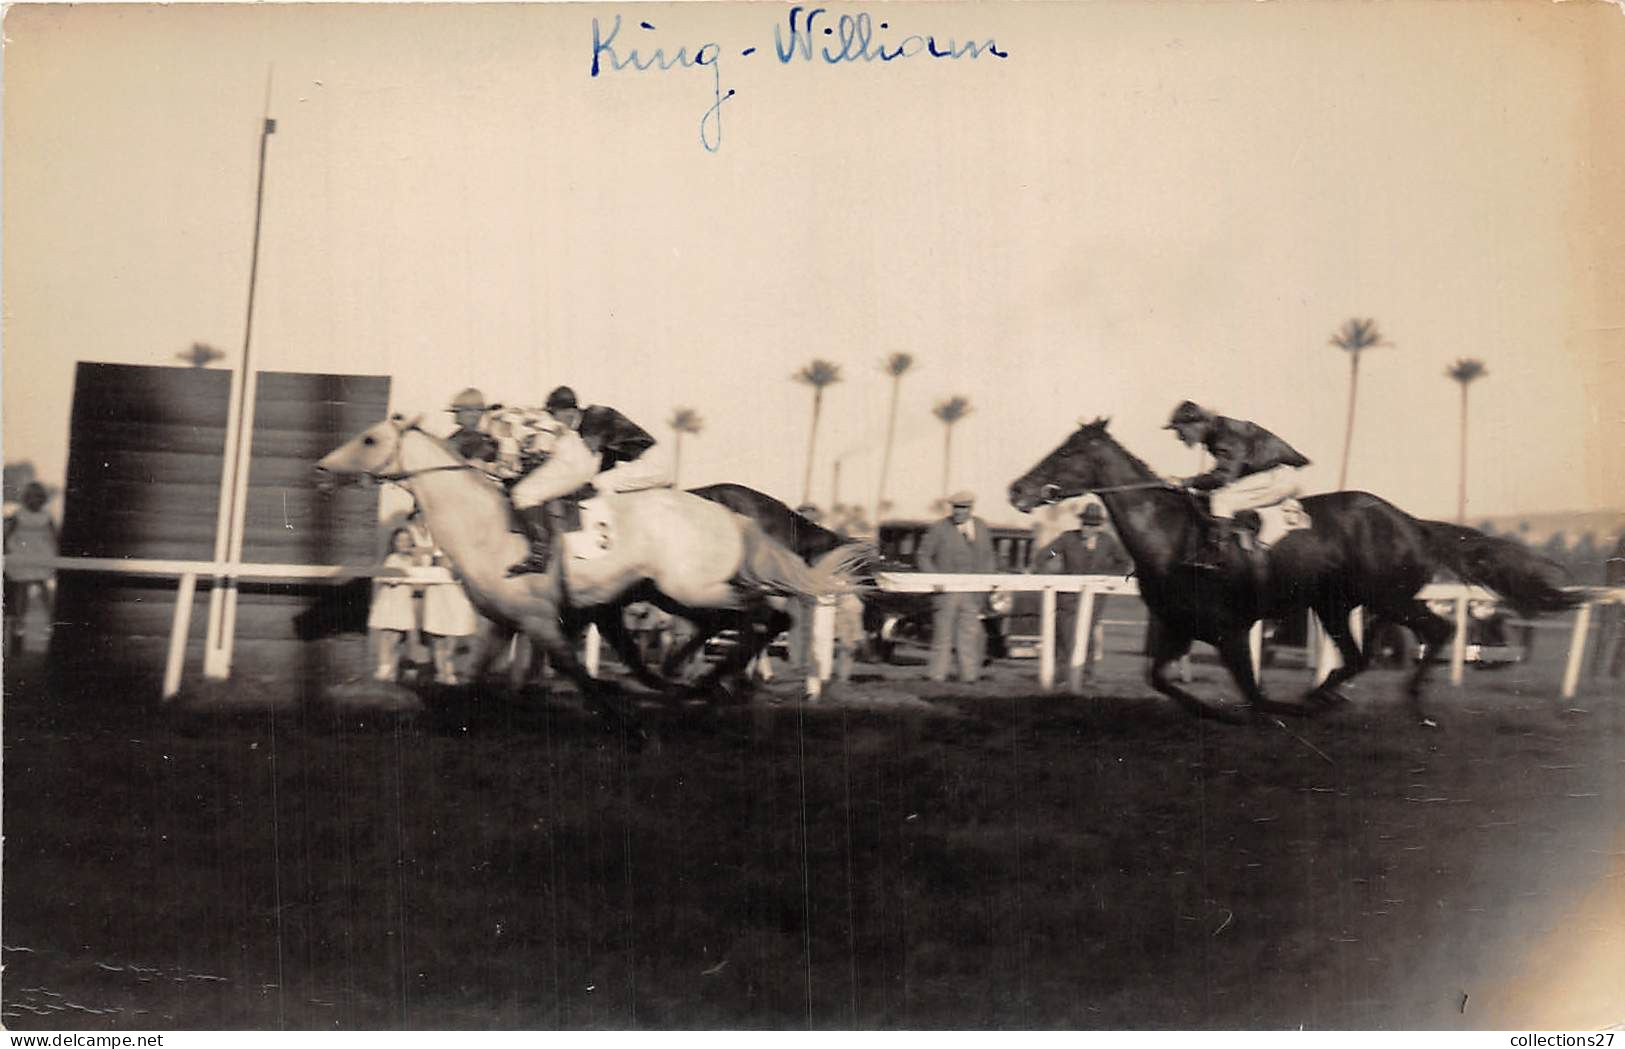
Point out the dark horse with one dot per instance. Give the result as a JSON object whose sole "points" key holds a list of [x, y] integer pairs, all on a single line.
{"points": [[808, 540], [1360, 551]]}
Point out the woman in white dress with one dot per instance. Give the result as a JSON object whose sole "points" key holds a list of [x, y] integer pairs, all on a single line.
{"points": [[392, 617], [30, 544]]}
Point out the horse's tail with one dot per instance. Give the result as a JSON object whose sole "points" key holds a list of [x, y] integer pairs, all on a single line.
{"points": [[770, 567], [1532, 584]]}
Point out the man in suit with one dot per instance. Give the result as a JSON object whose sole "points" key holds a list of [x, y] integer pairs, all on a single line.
{"points": [[957, 543], [1251, 468], [1089, 549]]}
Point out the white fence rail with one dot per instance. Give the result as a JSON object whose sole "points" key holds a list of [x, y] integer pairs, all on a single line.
{"points": [[1087, 588]]}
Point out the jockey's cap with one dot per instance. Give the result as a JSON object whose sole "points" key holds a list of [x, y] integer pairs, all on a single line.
{"points": [[963, 497], [1188, 412], [562, 397], [469, 398], [1092, 514]]}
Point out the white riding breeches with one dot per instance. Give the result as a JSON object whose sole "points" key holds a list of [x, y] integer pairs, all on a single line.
{"points": [[1264, 488], [634, 476], [572, 464]]}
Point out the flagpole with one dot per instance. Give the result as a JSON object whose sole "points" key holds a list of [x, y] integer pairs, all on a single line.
{"points": [[230, 521]]}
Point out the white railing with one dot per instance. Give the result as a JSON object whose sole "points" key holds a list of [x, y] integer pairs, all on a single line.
{"points": [[1088, 587], [218, 650], [218, 664]]}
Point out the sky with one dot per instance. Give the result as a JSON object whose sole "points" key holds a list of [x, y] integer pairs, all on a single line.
{"points": [[1140, 203]]}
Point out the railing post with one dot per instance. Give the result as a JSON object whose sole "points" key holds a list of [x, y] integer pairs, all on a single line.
{"points": [[180, 625], [1577, 648], [1324, 657], [1458, 644], [1046, 640], [591, 647], [1082, 632], [823, 645]]}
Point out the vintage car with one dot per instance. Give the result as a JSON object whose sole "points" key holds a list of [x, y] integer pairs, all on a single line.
{"points": [[891, 618], [1490, 641]]}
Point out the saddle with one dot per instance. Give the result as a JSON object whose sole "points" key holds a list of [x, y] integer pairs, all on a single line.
{"points": [[1262, 528], [585, 523]]}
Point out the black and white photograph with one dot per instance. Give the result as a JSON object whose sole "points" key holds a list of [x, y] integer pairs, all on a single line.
{"points": [[742, 516]]}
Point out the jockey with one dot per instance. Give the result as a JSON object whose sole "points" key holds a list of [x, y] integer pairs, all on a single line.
{"points": [[470, 439], [596, 447], [1251, 468]]}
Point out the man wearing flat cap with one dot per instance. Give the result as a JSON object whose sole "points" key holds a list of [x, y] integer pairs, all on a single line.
{"points": [[1251, 468], [961, 543], [1089, 549]]}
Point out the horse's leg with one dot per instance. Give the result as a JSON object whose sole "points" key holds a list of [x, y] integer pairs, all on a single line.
{"points": [[1169, 645], [1334, 619], [677, 656], [549, 632], [1237, 652], [752, 642], [612, 627], [1433, 631]]}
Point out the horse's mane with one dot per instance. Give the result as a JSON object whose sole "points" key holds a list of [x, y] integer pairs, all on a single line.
{"points": [[1098, 429]]}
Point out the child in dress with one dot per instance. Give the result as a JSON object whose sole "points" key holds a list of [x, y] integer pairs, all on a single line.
{"points": [[447, 616], [392, 617], [30, 543]]}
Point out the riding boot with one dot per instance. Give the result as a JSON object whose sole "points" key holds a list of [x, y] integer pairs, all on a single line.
{"points": [[538, 527], [1209, 556]]}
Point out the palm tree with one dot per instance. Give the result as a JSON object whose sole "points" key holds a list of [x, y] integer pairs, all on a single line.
{"points": [[1356, 336], [949, 412], [1466, 371], [894, 366], [818, 374], [684, 421]]}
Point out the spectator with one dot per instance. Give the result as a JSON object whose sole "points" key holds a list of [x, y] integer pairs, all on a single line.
{"points": [[30, 544], [393, 617], [471, 439], [958, 543], [448, 616], [1089, 549]]}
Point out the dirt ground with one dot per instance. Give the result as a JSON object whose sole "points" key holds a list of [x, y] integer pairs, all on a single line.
{"points": [[897, 855]]}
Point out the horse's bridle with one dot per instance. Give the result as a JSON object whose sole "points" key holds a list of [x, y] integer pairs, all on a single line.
{"points": [[406, 475]]}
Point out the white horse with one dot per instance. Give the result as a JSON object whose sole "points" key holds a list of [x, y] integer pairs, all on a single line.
{"points": [[693, 557]]}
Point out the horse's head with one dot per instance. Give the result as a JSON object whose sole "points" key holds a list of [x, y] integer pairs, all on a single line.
{"points": [[373, 452], [1076, 467]]}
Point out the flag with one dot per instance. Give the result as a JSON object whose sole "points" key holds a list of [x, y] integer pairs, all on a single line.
{"points": [[270, 126]]}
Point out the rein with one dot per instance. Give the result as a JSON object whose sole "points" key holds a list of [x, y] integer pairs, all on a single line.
{"points": [[407, 475], [1138, 486]]}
